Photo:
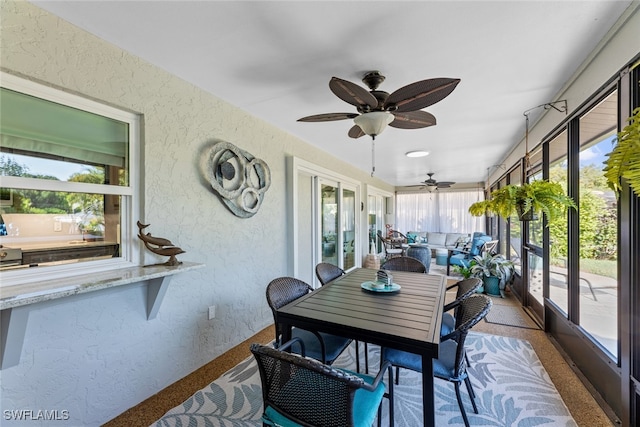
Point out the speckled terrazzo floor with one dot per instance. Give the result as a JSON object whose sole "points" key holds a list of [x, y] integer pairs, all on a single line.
{"points": [[584, 408]]}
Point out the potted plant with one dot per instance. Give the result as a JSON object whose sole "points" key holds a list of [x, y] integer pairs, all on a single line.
{"points": [[624, 160], [526, 200], [495, 271], [464, 271]]}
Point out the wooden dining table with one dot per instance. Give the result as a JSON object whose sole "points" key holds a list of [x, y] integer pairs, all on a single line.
{"points": [[408, 319]]}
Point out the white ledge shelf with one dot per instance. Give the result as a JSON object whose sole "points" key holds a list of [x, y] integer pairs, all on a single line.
{"points": [[16, 301]]}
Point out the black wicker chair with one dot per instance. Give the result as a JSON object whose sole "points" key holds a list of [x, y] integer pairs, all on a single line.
{"points": [[319, 345], [451, 364], [404, 263], [466, 288], [327, 272], [304, 391]]}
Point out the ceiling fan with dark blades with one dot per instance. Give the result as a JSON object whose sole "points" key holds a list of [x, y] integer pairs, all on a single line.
{"points": [[401, 109], [431, 184]]}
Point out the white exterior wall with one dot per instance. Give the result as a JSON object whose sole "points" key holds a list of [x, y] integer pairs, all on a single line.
{"points": [[96, 355]]}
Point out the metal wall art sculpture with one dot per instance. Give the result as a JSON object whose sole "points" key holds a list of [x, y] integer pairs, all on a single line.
{"points": [[239, 178]]}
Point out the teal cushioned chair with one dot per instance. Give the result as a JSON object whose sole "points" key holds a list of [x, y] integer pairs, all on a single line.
{"points": [[451, 363], [463, 259], [319, 345], [298, 391]]}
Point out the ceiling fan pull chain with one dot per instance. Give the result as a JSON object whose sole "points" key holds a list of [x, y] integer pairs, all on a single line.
{"points": [[373, 156]]}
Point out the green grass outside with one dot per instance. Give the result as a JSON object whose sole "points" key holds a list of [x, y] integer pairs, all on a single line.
{"points": [[601, 267]]}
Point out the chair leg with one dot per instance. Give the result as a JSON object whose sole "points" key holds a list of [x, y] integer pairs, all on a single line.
{"points": [[366, 358], [397, 375], [472, 394], [459, 397], [391, 401], [357, 356]]}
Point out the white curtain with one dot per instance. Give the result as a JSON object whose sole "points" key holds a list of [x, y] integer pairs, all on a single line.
{"points": [[444, 212]]}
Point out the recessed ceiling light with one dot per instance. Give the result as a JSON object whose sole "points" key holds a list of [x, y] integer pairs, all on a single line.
{"points": [[419, 153]]}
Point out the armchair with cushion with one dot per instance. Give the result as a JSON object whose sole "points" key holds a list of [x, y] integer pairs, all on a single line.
{"points": [[451, 363], [319, 345], [302, 392], [463, 258]]}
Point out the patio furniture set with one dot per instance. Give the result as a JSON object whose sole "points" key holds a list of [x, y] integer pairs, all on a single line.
{"points": [[410, 322]]}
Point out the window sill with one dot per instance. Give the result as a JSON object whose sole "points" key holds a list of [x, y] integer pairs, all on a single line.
{"points": [[16, 301]]}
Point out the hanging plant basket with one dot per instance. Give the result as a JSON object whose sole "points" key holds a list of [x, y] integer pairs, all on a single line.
{"points": [[527, 201], [525, 215]]}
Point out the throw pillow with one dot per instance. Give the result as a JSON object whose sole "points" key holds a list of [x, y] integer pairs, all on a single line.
{"points": [[412, 238]]}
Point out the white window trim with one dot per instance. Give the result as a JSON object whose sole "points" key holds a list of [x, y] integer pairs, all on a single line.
{"points": [[131, 254]]}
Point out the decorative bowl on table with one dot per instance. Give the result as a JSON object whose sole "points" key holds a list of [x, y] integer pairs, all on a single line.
{"points": [[377, 285]]}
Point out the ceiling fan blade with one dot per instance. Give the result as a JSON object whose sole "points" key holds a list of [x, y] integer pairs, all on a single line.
{"points": [[356, 132], [353, 94], [419, 95], [328, 117], [412, 120], [445, 184]]}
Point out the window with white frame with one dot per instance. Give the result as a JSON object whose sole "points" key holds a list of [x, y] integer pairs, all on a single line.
{"points": [[69, 180]]}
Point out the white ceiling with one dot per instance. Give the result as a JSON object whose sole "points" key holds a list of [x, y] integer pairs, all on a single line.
{"points": [[275, 59]]}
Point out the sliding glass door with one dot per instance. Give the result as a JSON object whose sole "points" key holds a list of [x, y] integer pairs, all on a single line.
{"points": [[348, 213], [337, 223], [325, 220], [329, 223]]}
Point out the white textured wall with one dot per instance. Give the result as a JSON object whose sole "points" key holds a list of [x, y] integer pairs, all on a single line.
{"points": [[97, 355]]}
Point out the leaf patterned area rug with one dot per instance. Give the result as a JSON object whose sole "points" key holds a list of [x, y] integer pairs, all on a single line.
{"points": [[512, 389]]}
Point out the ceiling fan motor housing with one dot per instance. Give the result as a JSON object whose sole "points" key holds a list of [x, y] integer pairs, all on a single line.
{"points": [[373, 79]]}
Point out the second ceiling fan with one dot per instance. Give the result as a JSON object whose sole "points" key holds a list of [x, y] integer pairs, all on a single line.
{"points": [[377, 109], [431, 184]]}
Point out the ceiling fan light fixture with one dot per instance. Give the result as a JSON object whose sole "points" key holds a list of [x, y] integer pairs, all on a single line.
{"points": [[373, 123], [417, 153], [431, 187]]}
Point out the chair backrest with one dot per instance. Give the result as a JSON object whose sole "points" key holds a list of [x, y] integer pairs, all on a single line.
{"points": [[280, 292], [404, 263], [421, 253], [470, 312], [465, 288], [327, 272], [305, 390], [477, 244], [396, 235]]}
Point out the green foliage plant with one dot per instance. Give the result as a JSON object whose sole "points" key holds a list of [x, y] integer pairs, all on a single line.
{"points": [[464, 271], [533, 198], [489, 265], [624, 160]]}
